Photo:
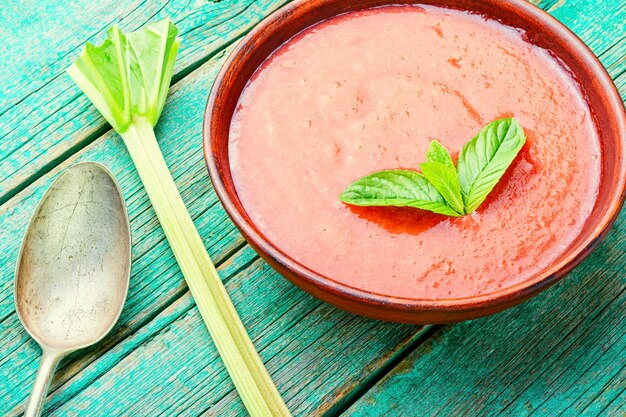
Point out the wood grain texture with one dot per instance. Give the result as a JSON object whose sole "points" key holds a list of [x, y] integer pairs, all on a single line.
{"points": [[561, 351], [288, 325], [44, 117], [564, 352], [156, 280], [312, 350]]}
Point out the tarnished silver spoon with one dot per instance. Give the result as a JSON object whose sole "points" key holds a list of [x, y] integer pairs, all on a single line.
{"points": [[73, 269]]}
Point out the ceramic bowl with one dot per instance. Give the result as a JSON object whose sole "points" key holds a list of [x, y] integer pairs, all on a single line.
{"points": [[542, 30]]}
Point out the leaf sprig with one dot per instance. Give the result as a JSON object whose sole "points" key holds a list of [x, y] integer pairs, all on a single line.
{"points": [[441, 187]]}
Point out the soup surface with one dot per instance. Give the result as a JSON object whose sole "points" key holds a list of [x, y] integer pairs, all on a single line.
{"points": [[369, 90]]}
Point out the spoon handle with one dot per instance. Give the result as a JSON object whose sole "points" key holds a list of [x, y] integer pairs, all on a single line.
{"points": [[47, 366]]}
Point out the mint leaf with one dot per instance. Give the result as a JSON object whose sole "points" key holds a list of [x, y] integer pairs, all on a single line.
{"points": [[485, 158], [445, 179], [398, 188], [442, 188], [441, 173], [437, 153]]}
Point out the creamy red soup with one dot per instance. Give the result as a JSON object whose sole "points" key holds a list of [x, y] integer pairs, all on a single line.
{"points": [[369, 90]]}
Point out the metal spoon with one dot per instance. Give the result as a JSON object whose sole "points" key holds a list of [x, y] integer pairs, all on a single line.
{"points": [[73, 270]]}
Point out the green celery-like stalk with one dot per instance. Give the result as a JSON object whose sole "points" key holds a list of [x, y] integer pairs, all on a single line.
{"points": [[127, 78]]}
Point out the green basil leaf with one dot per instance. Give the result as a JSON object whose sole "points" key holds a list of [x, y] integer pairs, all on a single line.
{"points": [[445, 179], [441, 187], [398, 188], [485, 158], [437, 153]]}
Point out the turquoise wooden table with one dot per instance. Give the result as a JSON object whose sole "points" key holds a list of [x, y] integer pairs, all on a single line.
{"points": [[564, 352]]}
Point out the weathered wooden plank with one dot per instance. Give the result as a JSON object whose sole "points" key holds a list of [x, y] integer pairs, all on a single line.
{"points": [[108, 355], [599, 23], [179, 141], [44, 117], [156, 281], [153, 250], [561, 352], [313, 351], [154, 306]]}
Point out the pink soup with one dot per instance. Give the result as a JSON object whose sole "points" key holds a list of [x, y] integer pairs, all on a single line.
{"points": [[369, 90]]}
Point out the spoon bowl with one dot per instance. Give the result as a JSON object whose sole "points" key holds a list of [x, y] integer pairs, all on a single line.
{"points": [[73, 270]]}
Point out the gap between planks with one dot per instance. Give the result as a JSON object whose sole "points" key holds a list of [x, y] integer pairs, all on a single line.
{"points": [[101, 130], [357, 391], [66, 120], [74, 364], [380, 367], [375, 376]]}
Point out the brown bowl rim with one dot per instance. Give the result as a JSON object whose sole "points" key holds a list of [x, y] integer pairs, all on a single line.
{"points": [[501, 297]]}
